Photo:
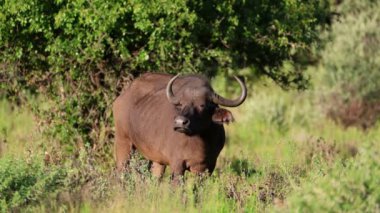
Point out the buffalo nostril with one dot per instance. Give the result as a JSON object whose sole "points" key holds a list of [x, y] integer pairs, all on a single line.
{"points": [[181, 121], [185, 121]]}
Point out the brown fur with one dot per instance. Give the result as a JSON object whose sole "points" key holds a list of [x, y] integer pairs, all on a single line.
{"points": [[144, 120]]}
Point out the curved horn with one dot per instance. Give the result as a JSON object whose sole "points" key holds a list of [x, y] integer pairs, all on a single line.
{"points": [[231, 103], [169, 91]]}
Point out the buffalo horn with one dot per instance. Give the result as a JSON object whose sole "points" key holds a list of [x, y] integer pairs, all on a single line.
{"points": [[231, 103], [169, 91]]}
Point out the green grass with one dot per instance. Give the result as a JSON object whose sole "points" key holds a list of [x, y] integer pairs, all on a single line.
{"points": [[349, 187], [281, 155], [18, 130]]}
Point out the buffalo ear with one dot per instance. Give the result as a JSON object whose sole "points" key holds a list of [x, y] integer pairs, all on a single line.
{"points": [[222, 116]]}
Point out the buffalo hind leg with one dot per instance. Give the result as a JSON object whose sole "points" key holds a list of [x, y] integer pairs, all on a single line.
{"points": [[157, 170], [123, 150]]}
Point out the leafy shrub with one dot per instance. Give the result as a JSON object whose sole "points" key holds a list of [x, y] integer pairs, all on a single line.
{"points": [[26, 181], [349, 187], [77, 53], [34, 181], [352, 63]]}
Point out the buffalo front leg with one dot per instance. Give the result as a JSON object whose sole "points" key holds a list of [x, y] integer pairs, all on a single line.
{"points": [[201, 169], [123, 148], [157, 170], [178, 170]]}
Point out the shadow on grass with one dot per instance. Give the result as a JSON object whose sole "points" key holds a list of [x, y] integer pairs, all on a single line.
{"points": [[242, 167]]}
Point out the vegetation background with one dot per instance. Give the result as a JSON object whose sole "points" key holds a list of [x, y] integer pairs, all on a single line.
{"points": [[306, 139]]}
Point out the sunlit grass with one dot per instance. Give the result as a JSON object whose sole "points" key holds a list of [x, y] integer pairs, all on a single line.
{"points": [[279, 142], [18, 130]]}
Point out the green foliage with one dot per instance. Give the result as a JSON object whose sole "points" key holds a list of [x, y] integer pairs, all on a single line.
{"points": [[281, 155], [77, 53], [80, 36], [348, 187], [24, 182], [351, 61], [352, 58]]}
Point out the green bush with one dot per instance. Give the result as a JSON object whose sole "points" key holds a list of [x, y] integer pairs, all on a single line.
{"points": [[77, 53], [352, 62], [352, 186], [25, 181]]}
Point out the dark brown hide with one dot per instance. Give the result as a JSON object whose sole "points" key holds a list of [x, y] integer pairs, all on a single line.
{"points": [[146, 120]]}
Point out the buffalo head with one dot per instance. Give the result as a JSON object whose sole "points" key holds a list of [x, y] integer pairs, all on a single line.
{"points": [[197, 106]]}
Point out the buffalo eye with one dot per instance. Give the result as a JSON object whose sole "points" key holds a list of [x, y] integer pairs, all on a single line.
{"points": [[203, 107], [178, 106], [207, 107]]}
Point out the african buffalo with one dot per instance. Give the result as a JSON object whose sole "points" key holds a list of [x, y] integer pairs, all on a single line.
{"points": [[172, 120]]}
